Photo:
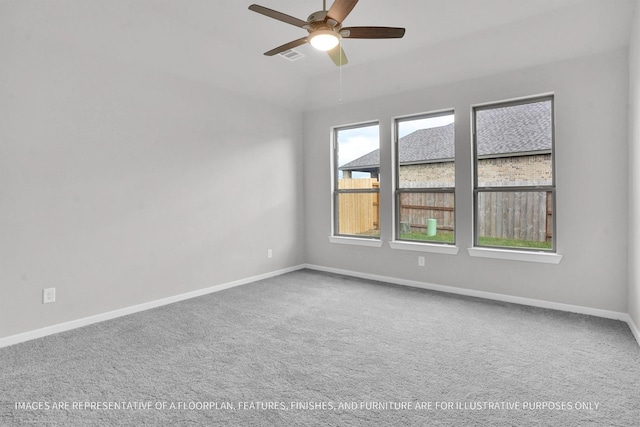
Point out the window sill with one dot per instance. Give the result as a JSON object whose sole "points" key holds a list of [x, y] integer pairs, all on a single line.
{"points": [[515, 255], [376, 243], [424, 247]]}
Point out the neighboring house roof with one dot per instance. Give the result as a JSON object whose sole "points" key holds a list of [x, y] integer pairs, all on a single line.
{"points": [[523, 128], [427, 145], [369, 160], [520, 129], [421, 146]]}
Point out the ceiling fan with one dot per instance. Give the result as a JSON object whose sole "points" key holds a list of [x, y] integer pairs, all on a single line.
{"points": [[326, 30]]}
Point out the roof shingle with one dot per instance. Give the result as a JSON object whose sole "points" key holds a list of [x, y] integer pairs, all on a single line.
{"points": [[522, 128]]}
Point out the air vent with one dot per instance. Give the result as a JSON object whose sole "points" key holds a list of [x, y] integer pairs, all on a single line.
{"points": [[291, 55]]}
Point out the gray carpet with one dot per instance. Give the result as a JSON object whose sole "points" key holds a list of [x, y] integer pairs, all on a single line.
{"points": [[310, 348]]}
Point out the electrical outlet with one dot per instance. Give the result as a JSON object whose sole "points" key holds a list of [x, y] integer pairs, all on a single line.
{"points": [[269, 253], [421, 261], [49, 295]]}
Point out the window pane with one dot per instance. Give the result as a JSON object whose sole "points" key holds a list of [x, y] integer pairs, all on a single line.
{"points": [[359, 214], [358, 155], [426, 217], [514, 145], [426, 152], [515, 219], [357, 183]]}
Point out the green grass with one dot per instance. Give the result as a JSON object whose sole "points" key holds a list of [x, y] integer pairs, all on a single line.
{"points": [[370, 233]]}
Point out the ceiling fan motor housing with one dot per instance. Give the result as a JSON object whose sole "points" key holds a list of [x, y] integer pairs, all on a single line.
{"points": [[319, 20], [319, 16]]}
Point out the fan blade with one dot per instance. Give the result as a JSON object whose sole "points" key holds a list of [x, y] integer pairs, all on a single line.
{"points": [[278, 15], [338, 56], [372, 33], [286, 46], [341, 9]]}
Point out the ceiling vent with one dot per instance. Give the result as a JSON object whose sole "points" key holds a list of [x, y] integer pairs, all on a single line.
{"points": [[291, 55]]}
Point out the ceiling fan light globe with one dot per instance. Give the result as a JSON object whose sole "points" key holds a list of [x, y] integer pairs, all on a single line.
{"points": [[324, 40]]}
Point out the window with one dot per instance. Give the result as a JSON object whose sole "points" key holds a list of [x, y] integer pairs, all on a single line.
{"points": [[514, 184], [357, 181], [425, 184]]}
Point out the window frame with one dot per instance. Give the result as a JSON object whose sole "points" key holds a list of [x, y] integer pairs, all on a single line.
{"points": [[398, 191], [528, 188], [336, 236]]}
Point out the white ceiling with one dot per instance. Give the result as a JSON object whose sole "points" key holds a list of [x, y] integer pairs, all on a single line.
{"points": [[428, 22], [220, 42]]}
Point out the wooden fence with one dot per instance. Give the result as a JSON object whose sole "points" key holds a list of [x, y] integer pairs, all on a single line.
{"points": [[508, 215], [359, 213], [417, 208], [516, 215]]}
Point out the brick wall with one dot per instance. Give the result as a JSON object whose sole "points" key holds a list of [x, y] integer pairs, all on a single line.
{"points": [[427, 175], [523, 170]]}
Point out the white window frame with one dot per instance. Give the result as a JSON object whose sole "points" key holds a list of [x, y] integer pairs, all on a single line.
{"points": [[512, 253], [335, 236], [449, 248]]}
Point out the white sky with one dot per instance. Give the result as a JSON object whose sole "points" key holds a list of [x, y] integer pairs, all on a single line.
{"points": [[354, 143]]}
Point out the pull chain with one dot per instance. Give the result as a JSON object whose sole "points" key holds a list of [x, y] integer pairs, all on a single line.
{"points": [[340, 96]]}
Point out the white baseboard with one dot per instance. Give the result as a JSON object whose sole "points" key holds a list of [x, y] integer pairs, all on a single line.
{"points": [[62, 327], [489, 295], [634, 329]]}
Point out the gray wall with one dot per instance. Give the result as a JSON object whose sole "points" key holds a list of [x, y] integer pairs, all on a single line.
{"points": [[591, 155], [634, 173], [122, 184]]}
